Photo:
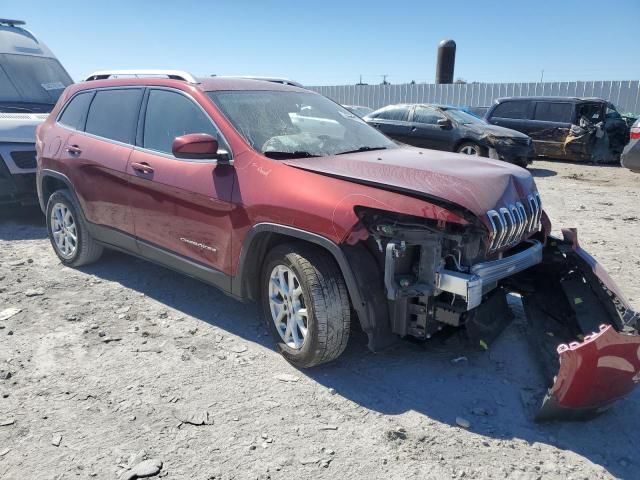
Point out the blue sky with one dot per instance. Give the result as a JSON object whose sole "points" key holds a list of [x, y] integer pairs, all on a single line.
{"points": [[332, 42]]}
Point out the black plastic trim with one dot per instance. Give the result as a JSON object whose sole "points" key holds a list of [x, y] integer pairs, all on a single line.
{"points": [[238, 283]]}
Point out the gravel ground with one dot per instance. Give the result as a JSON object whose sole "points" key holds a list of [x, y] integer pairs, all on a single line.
{"points": [[121, 362]]}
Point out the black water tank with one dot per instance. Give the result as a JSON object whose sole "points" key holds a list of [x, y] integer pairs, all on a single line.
{"points": [[446, 61]]}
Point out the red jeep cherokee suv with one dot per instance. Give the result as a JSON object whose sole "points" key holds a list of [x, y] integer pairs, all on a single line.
{"points": [[275, 193]]}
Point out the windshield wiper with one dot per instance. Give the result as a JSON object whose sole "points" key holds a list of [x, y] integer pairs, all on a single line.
{"points": [[362, 149], [284, 155]]}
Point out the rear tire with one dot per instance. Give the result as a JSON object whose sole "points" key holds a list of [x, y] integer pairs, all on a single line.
{"points": [[305, 304], [68, 232]]}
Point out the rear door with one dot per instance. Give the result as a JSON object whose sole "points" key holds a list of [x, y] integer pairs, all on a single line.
{"points": [[550, 125], [97, 158], [425, 131], [514, 114], [181, 207], [393, 121]]}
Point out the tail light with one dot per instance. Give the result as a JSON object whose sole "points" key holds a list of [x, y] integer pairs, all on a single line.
{"points": [[635, 133]]}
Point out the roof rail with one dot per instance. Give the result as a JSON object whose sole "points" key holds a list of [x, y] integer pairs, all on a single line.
{"points": [[172, 74], [13, 23]]}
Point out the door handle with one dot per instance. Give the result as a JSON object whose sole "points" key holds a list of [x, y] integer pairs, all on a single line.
{"points": [[142, 167], [414, 129], [73, 149]]}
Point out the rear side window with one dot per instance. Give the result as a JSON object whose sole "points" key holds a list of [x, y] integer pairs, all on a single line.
{"points": [[76, 111], [553, 112], [113, 114], [170, 115], [511, 109], [400, 114], [426, 115]]}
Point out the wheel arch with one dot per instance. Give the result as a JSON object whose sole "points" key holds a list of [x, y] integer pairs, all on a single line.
{"points": [[367, 297], [262, 237], [50, 182]]}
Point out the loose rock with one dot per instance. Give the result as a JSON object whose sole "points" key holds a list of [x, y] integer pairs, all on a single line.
{"points": [[56, 440], [195, 417], [463, 422], [285, 377], [34, 292], [146, 468], [7, 313]]}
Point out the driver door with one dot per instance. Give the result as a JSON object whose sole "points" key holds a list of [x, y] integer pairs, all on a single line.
{"points": [[181, 208], [425, 131]]}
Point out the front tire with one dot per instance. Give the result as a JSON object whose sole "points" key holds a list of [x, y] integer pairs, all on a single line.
{"points": [[470, 148], [305, 304], [68, 232]]}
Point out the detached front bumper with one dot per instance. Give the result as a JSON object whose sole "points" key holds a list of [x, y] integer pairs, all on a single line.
{"points": [[585, 332]]}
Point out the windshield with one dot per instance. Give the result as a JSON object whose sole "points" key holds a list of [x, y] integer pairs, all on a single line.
{"points": [[463, 117], [282, 124], [30, 83]]}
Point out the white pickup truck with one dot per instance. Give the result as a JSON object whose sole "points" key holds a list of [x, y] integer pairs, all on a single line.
{"points": [[31, 80]]}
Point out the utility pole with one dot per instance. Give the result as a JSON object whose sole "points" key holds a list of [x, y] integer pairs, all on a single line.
{"points": [[542, 75]]}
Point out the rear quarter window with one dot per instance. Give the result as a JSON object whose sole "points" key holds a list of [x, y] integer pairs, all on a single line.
{"points": [[113, 114], [75, 112], [553, 112], [511, 109]]}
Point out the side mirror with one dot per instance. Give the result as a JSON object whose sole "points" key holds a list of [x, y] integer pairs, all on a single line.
{"points": [[198, 146], [445, 123]]}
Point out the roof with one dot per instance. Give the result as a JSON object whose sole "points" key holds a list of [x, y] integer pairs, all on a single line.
{"points": [[16, 40], [553, 98]]}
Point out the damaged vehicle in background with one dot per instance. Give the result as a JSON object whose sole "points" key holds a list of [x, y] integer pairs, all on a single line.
{"points": [[31, 80], [451, 129], [631, 153], [213, 178], [569, 128], [359, 110]]}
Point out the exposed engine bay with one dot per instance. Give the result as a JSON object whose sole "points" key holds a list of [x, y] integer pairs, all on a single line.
{"points": [[439, 275]]}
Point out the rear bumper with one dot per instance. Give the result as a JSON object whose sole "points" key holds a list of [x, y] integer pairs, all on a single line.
{"points": [[631, 156]]}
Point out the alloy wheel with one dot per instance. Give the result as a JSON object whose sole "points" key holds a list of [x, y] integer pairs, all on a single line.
{"points": [[469, 150], [63, 229], [288, 309]]}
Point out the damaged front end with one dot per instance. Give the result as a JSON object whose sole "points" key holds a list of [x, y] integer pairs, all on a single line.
{"points": [[436, 275], [513, 149]]}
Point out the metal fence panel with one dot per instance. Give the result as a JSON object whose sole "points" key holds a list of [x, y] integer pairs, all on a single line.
{"points": [[624, 94]]}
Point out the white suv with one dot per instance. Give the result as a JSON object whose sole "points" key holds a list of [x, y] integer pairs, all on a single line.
{"points": [[31, 80]]}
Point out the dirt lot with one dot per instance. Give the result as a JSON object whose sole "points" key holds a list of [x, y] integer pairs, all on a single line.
{"points": [[105, 366]]}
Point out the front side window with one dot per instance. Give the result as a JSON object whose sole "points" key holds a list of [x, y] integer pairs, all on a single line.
{"points": [[75, 112], [511, 109], [113, 114], [31, 82], [553, 112], [170, 115], [289, 124], [427, 115]]}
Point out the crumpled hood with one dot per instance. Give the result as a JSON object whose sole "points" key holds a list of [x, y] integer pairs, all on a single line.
{"points": [[20, 127], [495, 130], [475, 183]]}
